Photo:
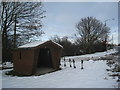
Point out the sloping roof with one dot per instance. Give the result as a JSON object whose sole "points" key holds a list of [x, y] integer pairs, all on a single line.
{"points": [[37, 43]]}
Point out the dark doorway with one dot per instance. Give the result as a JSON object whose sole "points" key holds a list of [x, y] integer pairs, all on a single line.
{"points": [[44, 59]]}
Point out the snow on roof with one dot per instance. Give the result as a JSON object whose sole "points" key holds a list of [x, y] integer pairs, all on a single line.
{"points": [[37, 43], [32, 44], [57, 44]]}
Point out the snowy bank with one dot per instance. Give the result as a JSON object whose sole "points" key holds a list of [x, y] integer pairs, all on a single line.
{"points": [[92, 56]]}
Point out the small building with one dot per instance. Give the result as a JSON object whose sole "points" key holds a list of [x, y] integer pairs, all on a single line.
{"points": [[37, 57]]}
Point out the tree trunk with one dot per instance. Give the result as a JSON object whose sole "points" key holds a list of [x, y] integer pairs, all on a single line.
{"points": [[4, 43], [4, 40], [14, 36]]}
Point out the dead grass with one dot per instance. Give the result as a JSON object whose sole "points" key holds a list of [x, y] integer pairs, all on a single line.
{"points": [[114, 75], [13, 73]]}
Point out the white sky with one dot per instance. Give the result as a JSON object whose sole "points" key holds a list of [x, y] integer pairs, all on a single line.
{"points": [[61, 17]]}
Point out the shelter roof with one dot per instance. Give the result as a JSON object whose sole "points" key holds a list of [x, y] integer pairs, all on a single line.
{"points": [[38, 43]]}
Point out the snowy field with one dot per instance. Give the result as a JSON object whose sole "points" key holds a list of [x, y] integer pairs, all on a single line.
{"points": [[94, 75]]}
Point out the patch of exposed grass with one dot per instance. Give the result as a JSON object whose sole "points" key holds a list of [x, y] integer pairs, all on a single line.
{"points": [[114, 75], [116, 69], [110, 62], [13, 73], [108, 70]]}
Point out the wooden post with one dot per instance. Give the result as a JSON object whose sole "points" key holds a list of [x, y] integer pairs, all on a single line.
{"points": [[64, 63], [70, 62], [82, 64], [81, 61], [74, 63]]}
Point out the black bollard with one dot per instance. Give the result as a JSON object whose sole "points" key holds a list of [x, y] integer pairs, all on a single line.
{"points": [[70, 62], [82, 67], [81, 61], [74, 63], [82, 64], [64, 63]]}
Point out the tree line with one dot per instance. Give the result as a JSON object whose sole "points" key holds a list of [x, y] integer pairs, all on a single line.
{"points": [[92, 36]]}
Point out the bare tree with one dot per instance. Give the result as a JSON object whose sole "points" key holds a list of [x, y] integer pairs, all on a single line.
{"points": [[90, 30], [20, 19], [69, 48]]}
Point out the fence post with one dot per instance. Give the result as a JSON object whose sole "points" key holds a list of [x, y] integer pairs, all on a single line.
{"points": [[70, 62], [74, 63], [82, 64], [64, 62]]}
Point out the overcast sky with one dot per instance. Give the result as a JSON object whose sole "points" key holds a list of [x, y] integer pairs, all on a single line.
{"points": [[61, 17]]}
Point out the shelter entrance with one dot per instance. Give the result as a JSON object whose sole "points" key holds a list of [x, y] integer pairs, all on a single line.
{"points": [[44, 59], [44, 64]]}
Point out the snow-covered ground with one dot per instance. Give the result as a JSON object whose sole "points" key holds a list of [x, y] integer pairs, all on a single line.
{"points": [[94, 75], [92, 56], [7, 65]]}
